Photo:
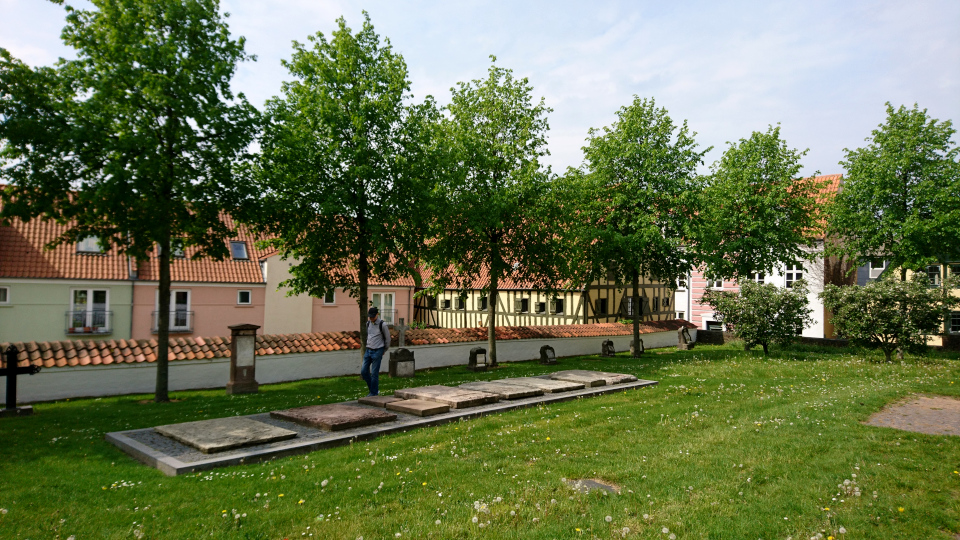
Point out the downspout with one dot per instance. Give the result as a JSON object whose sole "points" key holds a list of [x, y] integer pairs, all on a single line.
{"points": [[132, 275]]}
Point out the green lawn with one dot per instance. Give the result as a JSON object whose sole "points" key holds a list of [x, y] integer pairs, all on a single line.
{"points": [[728, 445]]}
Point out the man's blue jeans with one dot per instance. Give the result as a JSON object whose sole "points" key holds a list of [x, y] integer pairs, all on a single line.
{"points": [[370, 369]]}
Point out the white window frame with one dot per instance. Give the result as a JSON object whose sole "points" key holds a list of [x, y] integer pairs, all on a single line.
{"points": [[955, 322], [89, 309], [246, 251], [6, 296], [385, 313], [757, 277], [249, 301], [935, 282], [89, 244], [173, 295], [793, 274], [715, 284], [680, 315], [875, 271], [332, 293]]}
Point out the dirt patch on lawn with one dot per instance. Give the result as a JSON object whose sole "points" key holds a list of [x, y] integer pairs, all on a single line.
{"points": [[936, 415]]}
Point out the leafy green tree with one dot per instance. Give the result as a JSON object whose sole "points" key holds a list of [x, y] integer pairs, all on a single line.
{"points": [[345, 165], [763, 314], [888, 314], [900, 199], [643, 187], [136, 141], [756, 212], [498, 213]]}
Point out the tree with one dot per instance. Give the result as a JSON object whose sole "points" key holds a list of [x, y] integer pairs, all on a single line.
{"points": [[498, 213], [137, 140], [900, 199], [756, 212], [344, 165], [888, 314], [642, 172], [763, 314]]}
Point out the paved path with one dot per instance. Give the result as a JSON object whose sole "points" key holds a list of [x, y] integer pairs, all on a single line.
{"points": [[936, 415]]}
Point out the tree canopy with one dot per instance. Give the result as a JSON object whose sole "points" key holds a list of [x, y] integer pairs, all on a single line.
{"points": [[136, 141], [900, 199]]}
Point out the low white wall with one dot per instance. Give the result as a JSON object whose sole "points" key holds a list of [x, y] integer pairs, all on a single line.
{"points": [[114, 380]]}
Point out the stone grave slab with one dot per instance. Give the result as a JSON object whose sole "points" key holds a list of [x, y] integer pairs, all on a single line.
{"points": [[456, 398], [548, 386], [418, 407], [221, 434], [588, 380], [334, 417], [378, 401], [608, 378], [503, 389]]}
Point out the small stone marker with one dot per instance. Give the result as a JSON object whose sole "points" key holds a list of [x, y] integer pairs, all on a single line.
{"points": [[377, 401], [588, 485], [243, 359], [684, 341], [587, 380], [402, 332], [478, 359], [334, 417], [210, 436], [10, 371], [633, 351], [503, 389], [402, 363], [607, 349], [418, 407], [547, 355], [456, 398], [549, 386]]}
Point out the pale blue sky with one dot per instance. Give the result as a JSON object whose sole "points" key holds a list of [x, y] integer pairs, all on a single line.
{"points": [[822, 69]]}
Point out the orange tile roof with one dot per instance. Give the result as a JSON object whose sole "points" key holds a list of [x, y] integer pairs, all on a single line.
{"points": [[131, 351]]}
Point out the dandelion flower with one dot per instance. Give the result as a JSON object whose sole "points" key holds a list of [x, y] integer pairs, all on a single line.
{"points": [[900, 509], [437, 522], [608, 519], [424, 483], [301, 501], [665, 530], [673, 537], [842, 531], [475, 519], [324, 483], [280, 495]]}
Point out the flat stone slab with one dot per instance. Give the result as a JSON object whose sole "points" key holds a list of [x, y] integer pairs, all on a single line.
{"points": [[935, 415], [456, 398], [571, 376], [221, 434], [378, 401], [548, 386], [608, 378], [504, 389], [334, 417], [418, 407]]}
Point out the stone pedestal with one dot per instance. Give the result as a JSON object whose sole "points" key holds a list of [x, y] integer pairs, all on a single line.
{"points": [[402, 363], [547, 355], [607, 349], [243, 359], [684, 341], [478, 359], [633, 348]]}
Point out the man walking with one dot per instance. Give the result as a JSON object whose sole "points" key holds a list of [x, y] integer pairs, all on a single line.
{"points": [[378, 341]]}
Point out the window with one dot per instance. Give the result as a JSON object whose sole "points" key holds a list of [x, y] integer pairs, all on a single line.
{"points": [[757, 278], [482, 303], [665, 302], [680, 314], [794, 273], [628, 306], [876, 268], [541, 307], [656, 303], [955, 322], [715, 283], [522, 305], [556, 306], [330, 297], [263, 269], [239, 250], [244, 298], [682, 284], [445, 304], [4, 295], [384, 302], [714, 325], [601, 306], [460, 303], [90, 244], [955, 270], [88, 311], [933, 274], [180, 310], [176, 246]]}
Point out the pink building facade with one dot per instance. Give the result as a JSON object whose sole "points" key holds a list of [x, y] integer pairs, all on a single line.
{"points": [[198, 308]]}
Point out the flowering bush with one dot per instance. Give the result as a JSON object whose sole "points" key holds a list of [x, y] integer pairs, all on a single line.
{"points": [[762, 314]]}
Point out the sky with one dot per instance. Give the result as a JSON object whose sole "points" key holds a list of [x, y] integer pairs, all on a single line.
{"points": [[823, 70]]}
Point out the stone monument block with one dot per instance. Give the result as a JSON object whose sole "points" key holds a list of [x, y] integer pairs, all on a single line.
{"points": [[607, 348], [221, 434], [402, 363], [547, 355], [478, 359], [243, 359], [684, 341], [334, 417]]}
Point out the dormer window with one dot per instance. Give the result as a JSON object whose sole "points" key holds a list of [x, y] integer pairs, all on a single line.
{"points": [[239, 250], [176, 247], [90, 244]]}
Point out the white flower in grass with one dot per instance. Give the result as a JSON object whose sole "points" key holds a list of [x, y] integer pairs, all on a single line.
{"points": [[842, 531], [608, 519], [397, 535], [475, 519], [665, 530], [437, 522], [324, 483], [673, 537], [512, 513]]}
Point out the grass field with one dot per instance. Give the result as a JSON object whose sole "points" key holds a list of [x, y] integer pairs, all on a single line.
{"points": [[728, 445]]}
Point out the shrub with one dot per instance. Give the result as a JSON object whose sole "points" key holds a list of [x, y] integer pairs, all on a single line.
{"points": [[763, 314]]}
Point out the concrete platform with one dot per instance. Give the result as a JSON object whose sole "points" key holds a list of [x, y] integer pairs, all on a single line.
{"points": [[456, 398], [335, 417], [222, 434], [174, 458], [377, 401], [505, 390], [418, 407], [548, 386]]}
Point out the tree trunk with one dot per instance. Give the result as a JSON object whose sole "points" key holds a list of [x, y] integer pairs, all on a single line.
{"points": [[636, 313], [163, 320], [363, 275], [766, 349], [492, 304], [888, 354]]}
